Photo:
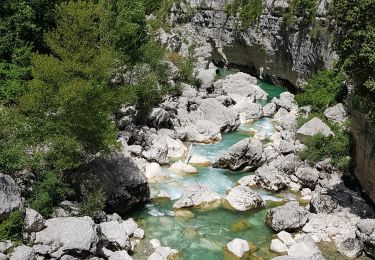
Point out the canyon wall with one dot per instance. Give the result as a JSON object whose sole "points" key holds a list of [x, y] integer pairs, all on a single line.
{"points": [[286, 55]]}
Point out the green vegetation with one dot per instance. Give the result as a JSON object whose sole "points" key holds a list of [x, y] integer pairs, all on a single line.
{"points": [[11, 227], [93, 202], [354, 43], [337, 147], [249, 11], [301, 12], [58, 62], [325, 89]]}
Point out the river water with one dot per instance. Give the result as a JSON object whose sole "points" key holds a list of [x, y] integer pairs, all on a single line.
{"points": [[205, 235]]}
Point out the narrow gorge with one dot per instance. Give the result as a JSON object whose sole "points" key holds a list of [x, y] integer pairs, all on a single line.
{"points": [[187, 129]]}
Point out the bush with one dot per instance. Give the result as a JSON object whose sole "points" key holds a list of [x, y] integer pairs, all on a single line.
{"points": [[301, 12], [93, 202], [325, 89], [337, 147], [48, 192], [11, 227], [250, 11]]}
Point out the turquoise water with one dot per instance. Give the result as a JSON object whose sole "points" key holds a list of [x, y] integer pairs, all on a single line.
{"points": [[204, 234]]}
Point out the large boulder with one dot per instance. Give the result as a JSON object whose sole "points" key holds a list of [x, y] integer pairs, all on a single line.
{"points": [[33, 221], [10, 196], [114, 235], [271, 178], [155, 173], [184, 168], [199, 196], [207, 77], [241, 85], [159, 118], [269, 109], [242, 198], [247, 153], [69, 235], [336, 113], [305, 248], [248, 110], [308, 177], [289, 217], [23, 253], [156, 149], [313, 127], [286, 100], [202, 131], [120, 255], [124, 184]]}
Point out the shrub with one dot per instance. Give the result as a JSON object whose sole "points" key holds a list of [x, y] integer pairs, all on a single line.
{"points": [[11, 227], [93, 202], [250, 11], [301, 12], [325, 89], [48, 192]]}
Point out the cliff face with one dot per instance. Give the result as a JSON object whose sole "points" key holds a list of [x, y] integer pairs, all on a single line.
{"points": [[283, 54], [364, 136]]}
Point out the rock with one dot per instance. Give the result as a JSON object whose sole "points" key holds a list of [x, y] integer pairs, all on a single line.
{"points": [[336, 113], [33, 221], [241, 85], [366, 233], [70, 234], [3, 256], [249, 181], [182, 167], [119, 176], [306, 248], [278, 246], [10, 196], [313, 127], [269, 109], [284, 147], [120, 255], [238, 247], [286, 101], [5, 245], [157, 151], [197, 195], [188, 91], [155, 243], [242, 198], [155, 173], [176, 148], [286, 238], [130, 226], [308, 177], [42, 249], [207, 77], [349, 246], [114, 236], [139, 233], [248, 111], [199, 160], [270, 178], [23, 253], [163, 253], [287, 164], [247, 153], [159, 118], [202, 131], [289, 217]]}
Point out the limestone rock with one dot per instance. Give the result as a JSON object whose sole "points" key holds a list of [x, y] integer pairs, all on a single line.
{"points": [[3, 256], [120, 255], [278, 246], [202, 131], [10, 196], [270, 178], [238, 247], [308, 177], [248, 111], [269, 109], [5, 245], [139, 233], [242, 198], [289, 217], [130, 226], [366, 233], [182, 167], [245, 154], [114, 235], [23, 253], [305, 248], [249, 181], [336, 113], [286, 238], [70, 234], [33, 221], [155, 173], [207, 77], [197, 195], [199, 160], [313, 127]]}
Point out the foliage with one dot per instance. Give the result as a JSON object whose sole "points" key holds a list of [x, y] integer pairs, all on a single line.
{"points": [[337, 147], [325, 89], [354, 43], [93, 202], [249, 11], [48, 191], [301, 12], [11, 227]]}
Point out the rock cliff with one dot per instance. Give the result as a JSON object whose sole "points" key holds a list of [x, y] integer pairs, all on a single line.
{"points": [[283, 54]]}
